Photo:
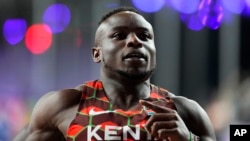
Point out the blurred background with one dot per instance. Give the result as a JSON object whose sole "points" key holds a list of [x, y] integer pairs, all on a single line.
{"points": [[203, 49]]}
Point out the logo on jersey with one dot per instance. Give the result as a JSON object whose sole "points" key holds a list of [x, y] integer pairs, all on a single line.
{"points": [[111, 133], [92, 112]]}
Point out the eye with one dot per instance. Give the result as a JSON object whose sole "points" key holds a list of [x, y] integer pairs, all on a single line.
{"points": [[144, 36], [119, 35]]}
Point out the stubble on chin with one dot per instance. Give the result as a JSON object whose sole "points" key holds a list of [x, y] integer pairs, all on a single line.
{"points": [[130, 75]]}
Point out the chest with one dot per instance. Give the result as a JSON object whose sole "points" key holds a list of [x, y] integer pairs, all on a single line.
{"points": [[98, 119], [104, 122]]}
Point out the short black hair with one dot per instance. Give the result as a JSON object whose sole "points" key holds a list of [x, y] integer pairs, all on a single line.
{"points": [[117, 10]]}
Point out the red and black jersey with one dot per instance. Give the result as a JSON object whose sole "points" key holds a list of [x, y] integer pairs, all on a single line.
{"points": [[98, 119]]}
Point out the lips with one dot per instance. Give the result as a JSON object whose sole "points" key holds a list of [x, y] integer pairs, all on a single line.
{"points": [[135, 55]]}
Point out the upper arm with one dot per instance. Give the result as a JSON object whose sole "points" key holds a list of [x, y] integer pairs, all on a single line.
{"points": [[195, 118], [21, 136], [42, 124]]}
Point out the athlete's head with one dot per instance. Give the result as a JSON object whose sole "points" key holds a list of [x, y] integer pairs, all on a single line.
{"points": [[124, 44], [114, 11]]}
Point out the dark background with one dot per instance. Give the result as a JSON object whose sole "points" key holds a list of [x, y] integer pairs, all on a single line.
{"points": [[209, 66]]}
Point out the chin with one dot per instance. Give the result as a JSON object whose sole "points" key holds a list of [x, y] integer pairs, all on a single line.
{"points": [[136, 75]]}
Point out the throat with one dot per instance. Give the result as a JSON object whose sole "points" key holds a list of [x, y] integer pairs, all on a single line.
{"points": [[125, 95], [126, 98], [125, 103]]}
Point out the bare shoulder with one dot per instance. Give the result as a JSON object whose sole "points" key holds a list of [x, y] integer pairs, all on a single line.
{"points": [[188, 105], [51, 116], [189, 109], [194, 116], [59, 99], [50, 105]]}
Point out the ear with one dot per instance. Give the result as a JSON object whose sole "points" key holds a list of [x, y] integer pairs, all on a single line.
{"points": [[96, 54]]}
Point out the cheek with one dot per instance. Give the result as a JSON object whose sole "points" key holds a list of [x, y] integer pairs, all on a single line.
{"points": [[111, 55], [152, 60], [112, 50], [153, 54]]}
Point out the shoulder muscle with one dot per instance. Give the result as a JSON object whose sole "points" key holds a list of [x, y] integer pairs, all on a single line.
{"points": [[44, 114], [194, 116]]}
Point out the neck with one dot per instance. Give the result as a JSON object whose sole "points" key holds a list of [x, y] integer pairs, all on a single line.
{"points": [[125, 94]]}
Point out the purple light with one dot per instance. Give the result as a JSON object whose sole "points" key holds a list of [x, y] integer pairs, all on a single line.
{"points": [[210, 13], [227, 16], [192, 21], [149, 6], [14, 30], [234, 6], [57, 16], [185, 6], [246, 10]]}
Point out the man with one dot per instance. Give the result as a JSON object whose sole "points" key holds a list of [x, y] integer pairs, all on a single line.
{"points": [[122, 104]]}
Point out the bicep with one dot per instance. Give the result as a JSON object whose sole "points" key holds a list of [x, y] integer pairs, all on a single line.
{"points": [[195, 118], [38, 135], [202, 125], [22, 135], [45, 135], [31, 131], [205, 129], [41, 126]]}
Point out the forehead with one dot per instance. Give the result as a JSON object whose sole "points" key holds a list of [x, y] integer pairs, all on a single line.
{"points": [[126, 19]]}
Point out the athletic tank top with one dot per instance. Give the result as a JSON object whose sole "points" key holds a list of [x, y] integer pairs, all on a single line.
{"points": [[98, 119]]}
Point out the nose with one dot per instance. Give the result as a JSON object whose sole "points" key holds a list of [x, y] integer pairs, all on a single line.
{"points": [[133, 41]]}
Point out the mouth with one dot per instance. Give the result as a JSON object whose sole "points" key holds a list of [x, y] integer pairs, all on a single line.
{"points": [[135, 56]]}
